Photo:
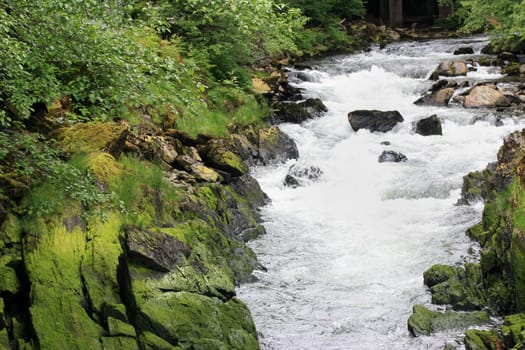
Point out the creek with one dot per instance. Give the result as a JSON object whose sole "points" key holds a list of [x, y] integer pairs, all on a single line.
{"points": [[345, 254]]}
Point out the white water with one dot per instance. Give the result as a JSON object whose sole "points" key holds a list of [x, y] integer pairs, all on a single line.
{"points": [[346, 254]]}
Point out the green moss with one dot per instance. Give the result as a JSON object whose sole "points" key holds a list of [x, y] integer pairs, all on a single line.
{"points": [[91, 137], [57, 302], [191, 319], [99, 266], [8, 279], [153, 342], [512, 328], [11, 230], [482, 340], [438, 274], [4, 340], [104, 167], [424, 321], [119, 343], [120, 328]]}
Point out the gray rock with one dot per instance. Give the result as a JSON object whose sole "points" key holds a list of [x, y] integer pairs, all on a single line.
{"points": [[155, 250], [429, 126], [392, 156], [374, 120]]}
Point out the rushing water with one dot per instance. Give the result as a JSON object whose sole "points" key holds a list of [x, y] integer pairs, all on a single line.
{"points": [[345, 254]]}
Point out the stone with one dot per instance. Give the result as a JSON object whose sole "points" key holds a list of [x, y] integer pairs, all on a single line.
{"points": [[298, 174], [275, 146], [482, 340], [292, 112], [120, 328], [513, 329], [155, 250], [436, 98], [464, 51], [164, 148], [450, 69], [485, 96], [425, 322], [392, 156], [218, 154], [374, 120], [429, 126]]}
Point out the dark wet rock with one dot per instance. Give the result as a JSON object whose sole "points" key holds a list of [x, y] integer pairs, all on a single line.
{"points": [[436, 98], [429, 126], [292, 112], [464, 51], [374, 120], [425, 322], [275, 146], [450, 69], [386, 143], [155, 250], [291, 181], [441, 84], [508, 57], [392, 156], [297, 175]]}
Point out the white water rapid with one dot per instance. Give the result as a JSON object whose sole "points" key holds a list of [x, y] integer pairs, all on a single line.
{"points": [[345, 254]]}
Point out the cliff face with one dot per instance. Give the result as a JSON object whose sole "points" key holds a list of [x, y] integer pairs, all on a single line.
{"points": [[152, 266]]}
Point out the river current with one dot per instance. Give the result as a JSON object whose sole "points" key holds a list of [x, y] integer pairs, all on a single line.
{"points": [[345, 254]]}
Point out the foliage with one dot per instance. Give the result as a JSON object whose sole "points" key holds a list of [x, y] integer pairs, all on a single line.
{"points": [[504, 18], [228, 33], [89, 51], [328, 11]]}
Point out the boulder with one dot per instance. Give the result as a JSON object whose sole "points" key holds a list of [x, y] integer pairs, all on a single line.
{"points": [[476, 339], [450, 69], [156, 250], [513, 330], [298, 174], [374, 120], [218, 154], [275, 146], [392, 156], [464, 51], [485, 96], [436, 98], [292, 112], [429, 126], [425, 322]]}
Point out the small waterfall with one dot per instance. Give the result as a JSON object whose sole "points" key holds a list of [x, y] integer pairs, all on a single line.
{"points": [[345, 253]]}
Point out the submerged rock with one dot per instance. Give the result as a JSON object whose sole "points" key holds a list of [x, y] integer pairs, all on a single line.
{"points": [[374, 120], [436, 98], [425, 322], [297, 175], [392, 156], [429, 126], [292, 112], [464, 51]]}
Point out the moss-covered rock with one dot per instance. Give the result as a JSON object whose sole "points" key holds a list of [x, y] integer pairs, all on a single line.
{"points": [[92, 137], [276, 146], [218, 154], [154, 342], [9, 281], [190, 319], [58, 306], [424, 321], [482, 340], [456, 286], [512, 330]]}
